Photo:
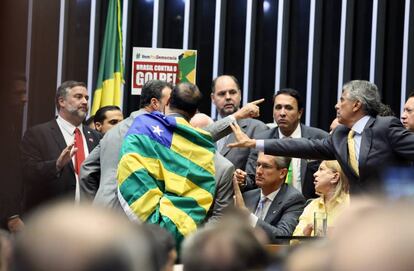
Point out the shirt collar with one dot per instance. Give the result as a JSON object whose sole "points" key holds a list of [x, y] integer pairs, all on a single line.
{"points": [[297, 133], [359, 126], [271, 196], [67, 126], [338, 200]]}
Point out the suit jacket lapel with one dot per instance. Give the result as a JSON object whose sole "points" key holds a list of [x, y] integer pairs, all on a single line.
{"points": [[57, 135], [59, 139], [276, 204], [90, 140], [230, 138], [366, 143], [252, 201]]}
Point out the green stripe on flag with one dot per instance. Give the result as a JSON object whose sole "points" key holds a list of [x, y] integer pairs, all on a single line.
{"points": [[110, 74]]}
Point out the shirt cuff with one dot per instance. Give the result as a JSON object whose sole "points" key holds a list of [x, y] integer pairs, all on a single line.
{"points": [[260, 145], [253, 220], [232, 118]]}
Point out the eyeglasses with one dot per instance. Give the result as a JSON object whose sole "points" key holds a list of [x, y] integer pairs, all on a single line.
{"points": [[264, 166]]}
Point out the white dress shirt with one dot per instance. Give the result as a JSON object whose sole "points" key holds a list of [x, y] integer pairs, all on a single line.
{"points": [[68, 131]]}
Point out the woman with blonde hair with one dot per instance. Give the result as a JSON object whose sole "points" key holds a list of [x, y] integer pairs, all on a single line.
{"points": [[331, 185]]}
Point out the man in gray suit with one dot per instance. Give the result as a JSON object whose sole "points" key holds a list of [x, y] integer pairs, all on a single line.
{"points": [[364, 144], [98, 173], [226, 96], [223, 175], [275, 206], [287, 112]]}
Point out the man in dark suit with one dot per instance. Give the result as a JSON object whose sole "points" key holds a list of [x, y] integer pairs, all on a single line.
{"points": [[407, 117], [275, 206], [364, 145], [226, 96], [50, 155], [287, 112]]}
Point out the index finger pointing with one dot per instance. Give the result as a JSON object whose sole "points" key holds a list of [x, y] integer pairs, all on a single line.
{"points": [[258, 101]]}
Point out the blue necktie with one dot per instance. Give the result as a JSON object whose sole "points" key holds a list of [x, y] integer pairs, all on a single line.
{"points": [[260, 208]]}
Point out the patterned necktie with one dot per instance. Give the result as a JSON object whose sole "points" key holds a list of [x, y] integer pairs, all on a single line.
{"points": [[80, 154], [351, 151], [260, 208]]}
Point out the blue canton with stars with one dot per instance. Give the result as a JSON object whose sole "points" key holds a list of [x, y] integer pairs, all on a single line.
{"points": [[155, 125]]}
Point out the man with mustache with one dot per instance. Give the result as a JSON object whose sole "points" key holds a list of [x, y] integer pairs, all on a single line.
{"points": [[226, 96], [53, 151]]}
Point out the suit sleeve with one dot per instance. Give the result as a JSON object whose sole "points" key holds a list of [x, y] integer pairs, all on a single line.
{"points": [[401, 139], [224, 194], [288, 221], [251, 170], [320, 149], [35, 166], [220, 128], [90, 175]]}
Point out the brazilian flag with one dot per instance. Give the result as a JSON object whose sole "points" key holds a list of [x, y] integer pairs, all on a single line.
{"points": [[187, 66], [110, 76], [166, 173]]}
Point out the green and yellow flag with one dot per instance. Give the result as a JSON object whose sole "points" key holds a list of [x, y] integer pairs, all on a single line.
{"points": [[166, 173], [110, 76]]}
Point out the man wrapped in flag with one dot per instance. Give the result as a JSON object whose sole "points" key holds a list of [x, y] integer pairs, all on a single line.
{"points": [[166, 172]]}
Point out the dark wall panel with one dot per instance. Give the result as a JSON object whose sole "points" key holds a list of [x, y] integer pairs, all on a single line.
{"points": [[43, 61], [361, 40], [394, 35], [297, 58], [203, 42], [326, 63], [234, 37], [76, 49], [140, 35], [265, 57], [173, 24]]}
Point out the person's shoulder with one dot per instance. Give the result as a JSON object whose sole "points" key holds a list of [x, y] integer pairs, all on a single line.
{"points": [[293, 193], [223, 161], [92, 132], [42, 126], [251, 193], [313, 131], [267, 134]]}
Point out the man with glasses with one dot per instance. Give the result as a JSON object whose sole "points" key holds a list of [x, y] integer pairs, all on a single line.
{"points": [[275, 206]]}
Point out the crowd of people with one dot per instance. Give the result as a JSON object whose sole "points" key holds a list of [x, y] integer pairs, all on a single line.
{"points": [[169, 185]]}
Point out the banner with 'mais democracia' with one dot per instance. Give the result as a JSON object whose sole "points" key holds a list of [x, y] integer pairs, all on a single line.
{"points": [[171, 65]]}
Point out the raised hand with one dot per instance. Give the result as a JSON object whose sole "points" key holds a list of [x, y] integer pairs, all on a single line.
{"points": [[250, 110], [240, 176], [65, 156], [242, 140], [238, 198]]}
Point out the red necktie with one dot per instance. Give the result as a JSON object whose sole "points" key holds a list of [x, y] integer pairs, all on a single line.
{"points": [[80, 154]]}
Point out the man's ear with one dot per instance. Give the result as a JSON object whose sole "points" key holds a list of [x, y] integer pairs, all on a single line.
{"points": [[98, 126], [300, 113], [61, 101], [357, 106], [283, 173]]}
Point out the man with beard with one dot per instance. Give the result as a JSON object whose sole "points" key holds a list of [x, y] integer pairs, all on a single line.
{"points": [[226, 96], [53, 151]]}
